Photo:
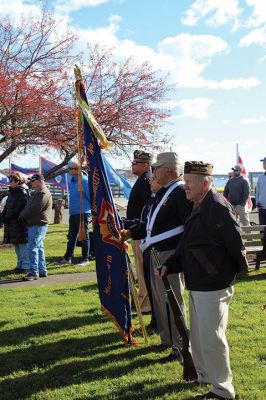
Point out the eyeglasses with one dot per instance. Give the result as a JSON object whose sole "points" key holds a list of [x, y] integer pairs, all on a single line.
{"points": [[12, 179], [160, 166], [138, 162]]}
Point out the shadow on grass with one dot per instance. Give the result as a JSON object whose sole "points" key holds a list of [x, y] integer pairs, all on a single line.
{"points": [[19, 335], [56, 231], [251, 277], [142, 391], [7, 272], [51, 366]]}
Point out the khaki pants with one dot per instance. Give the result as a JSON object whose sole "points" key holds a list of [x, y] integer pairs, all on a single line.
{"points": [[159, 297], [243, 215], [142, 292], [210, 351]]}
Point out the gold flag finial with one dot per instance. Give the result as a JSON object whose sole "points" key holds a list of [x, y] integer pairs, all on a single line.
{"points": [[77, 73]]}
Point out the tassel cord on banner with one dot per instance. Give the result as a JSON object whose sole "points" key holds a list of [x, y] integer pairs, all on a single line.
{"points": [[136, 301], [82, 233]]}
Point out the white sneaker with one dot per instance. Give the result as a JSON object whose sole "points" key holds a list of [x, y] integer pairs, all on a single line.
{"points": [[83, 263]]}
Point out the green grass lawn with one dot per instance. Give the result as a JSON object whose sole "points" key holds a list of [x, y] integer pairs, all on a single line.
{"points": [[56, 344], [55, 247]]}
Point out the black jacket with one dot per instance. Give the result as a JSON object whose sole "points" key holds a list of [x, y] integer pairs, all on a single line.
{"points": [[15, 232], [139, 196], [172, 214], [211, 250]]}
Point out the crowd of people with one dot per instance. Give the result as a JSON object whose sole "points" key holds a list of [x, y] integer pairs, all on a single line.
{"points": [[196, 234], [26, 216], [175, 211]]}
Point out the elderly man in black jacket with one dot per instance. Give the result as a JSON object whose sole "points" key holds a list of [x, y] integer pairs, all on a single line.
{"points": [[210, 255], [162, 230], [139, 197]]}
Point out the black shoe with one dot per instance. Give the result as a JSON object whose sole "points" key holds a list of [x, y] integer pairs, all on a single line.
{"points": [[171, 357], [43, 275], [64, 261], [211, 395], [30, 277], [159, 347], [20, 271], [152, 324]]}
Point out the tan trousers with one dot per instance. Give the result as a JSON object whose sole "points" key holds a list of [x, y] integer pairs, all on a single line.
{"points": [[159, 297], [142, 292], [243, 215], [210, 351]]}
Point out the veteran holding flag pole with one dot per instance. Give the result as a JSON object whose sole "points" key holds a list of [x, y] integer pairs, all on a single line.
{"points": [[210, 254]]}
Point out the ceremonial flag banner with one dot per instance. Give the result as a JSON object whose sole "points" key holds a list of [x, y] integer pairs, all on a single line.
{"points": [[59, 180], [110, 253], [25, 171]]}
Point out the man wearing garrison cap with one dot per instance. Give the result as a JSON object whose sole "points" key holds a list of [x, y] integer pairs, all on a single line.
{"points": [[139, 196], [210, 256], [163, 229]]}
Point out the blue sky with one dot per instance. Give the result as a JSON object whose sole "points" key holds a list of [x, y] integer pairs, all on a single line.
{"points": [[215, 53]]}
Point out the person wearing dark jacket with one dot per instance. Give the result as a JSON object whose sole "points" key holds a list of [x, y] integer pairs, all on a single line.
{"points": [[139, 196], [237, 191], [15, 232], [136, 226], [210, 254], [162, 231], [36, 215]]}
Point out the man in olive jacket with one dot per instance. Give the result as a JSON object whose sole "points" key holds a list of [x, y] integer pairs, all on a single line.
{"points": [[210, 255], [36, 215]]}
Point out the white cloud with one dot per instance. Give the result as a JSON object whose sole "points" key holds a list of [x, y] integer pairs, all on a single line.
{"points": [[199, 140], [66, 6], [16, 8], [227, 122], [198, 47], [253, 121], [256, 36], [229, 84], [194, 108], [259, 13], [186, 57], [220, 12]]}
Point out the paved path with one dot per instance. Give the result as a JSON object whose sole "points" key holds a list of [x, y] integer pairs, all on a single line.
{"points": [[50, 280]]}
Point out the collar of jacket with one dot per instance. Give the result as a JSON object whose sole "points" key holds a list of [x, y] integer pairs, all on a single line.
{"points": [[198, 209]]}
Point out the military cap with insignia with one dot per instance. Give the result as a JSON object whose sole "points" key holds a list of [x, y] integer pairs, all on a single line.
{"points": [[140, 155], [198, 167]]}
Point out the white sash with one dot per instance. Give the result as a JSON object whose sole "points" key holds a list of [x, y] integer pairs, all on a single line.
{"points": [[145, 243]]}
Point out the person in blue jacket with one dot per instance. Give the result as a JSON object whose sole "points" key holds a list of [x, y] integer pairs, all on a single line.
{"points": [[76, 214]]}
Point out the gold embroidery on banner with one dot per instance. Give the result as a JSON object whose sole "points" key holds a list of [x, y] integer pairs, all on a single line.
{"points": [[107, 290], [95, 185], [90, 148], [107, 225]]}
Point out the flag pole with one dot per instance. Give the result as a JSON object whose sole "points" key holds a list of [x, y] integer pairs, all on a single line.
{"points": [[9, 164]]}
